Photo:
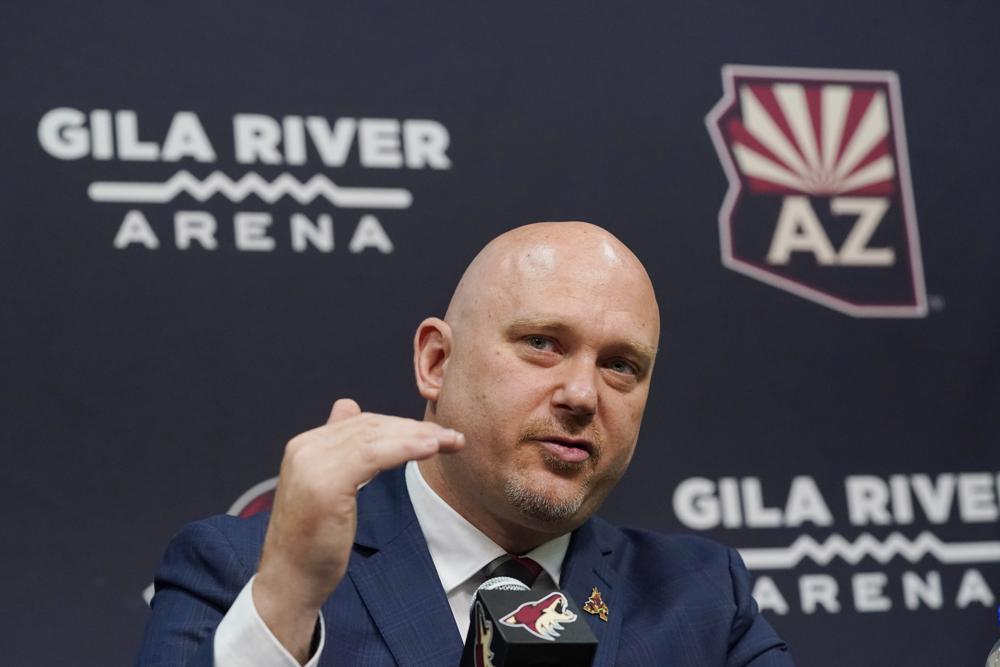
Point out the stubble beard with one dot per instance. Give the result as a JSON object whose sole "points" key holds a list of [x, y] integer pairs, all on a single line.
{"points": [[530, 502], [526, 496]]}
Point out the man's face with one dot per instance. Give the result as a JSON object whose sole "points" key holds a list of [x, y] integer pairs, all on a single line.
{"points": [[548, 378]]}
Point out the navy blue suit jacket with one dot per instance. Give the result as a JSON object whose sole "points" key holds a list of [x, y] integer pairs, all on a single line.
{"points": [[673, 600]]}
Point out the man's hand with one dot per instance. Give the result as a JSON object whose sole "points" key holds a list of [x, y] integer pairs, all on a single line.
{"points": [[312, 525]]}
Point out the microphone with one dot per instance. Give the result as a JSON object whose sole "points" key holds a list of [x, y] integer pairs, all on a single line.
{"points": [[516, 626]]}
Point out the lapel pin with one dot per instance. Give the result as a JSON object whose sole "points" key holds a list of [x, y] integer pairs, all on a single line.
{"points": [[595, 605]]}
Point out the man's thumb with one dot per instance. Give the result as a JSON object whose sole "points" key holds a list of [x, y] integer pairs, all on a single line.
{"points": [[343, 408]]}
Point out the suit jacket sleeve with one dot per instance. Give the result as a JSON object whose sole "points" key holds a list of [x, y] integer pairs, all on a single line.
{"points": [[753, 642], [199, 578]]}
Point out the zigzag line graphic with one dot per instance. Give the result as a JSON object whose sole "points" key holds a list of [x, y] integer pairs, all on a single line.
{"points": [[867, 545], [250, 184]]}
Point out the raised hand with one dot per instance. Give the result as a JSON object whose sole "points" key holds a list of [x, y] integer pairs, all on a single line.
{"points": [[312, 526]]}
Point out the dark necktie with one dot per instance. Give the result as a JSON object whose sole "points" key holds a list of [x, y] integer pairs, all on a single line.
{"points": [[523, 569]]}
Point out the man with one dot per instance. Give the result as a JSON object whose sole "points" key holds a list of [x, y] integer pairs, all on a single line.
{"points": [[535, 382]]}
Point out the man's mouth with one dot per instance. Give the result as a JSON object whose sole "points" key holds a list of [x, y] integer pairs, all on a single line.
{"points": [[570, 450]]}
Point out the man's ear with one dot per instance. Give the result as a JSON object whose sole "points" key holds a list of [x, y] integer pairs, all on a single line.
{"points": [[431, 349]]}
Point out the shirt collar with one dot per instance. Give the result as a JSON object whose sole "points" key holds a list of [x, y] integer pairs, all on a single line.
{"points": [[458, 549]]}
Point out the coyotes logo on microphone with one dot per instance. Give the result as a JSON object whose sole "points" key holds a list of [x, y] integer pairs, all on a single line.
{"points": [[819, 202], [542, 618], [483, 654]]}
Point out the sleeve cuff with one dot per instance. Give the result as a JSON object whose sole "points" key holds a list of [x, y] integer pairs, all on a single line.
{"points": [[244, 640]]}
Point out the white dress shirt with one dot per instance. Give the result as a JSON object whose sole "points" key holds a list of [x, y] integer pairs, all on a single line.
{"points": [[458, 550]]}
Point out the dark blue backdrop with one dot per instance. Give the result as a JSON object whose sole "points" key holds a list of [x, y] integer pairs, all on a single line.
{"points": [[146, 386]]}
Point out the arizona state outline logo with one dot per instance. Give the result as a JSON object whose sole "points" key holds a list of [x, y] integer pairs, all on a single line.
{"points": [[820, 202]]}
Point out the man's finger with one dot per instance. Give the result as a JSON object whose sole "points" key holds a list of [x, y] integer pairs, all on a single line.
{"points": [[378, 455], [343, 408]]}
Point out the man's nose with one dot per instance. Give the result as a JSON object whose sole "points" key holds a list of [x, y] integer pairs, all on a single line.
{"points": [[577, 391]]}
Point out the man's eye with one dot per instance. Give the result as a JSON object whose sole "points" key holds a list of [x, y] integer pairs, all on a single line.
{"points": [[622, 366], [539, 342]]}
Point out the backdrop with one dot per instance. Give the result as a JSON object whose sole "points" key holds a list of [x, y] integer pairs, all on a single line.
{"points": [[218, 218]]}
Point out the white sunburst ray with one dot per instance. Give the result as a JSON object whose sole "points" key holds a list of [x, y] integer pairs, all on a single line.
{"points": [[758, 122], [835, 100], [874, 172], [754, 164], [794, 105], [874, 126]]}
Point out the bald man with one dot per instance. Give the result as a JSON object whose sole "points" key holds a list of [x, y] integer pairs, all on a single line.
{"points": [[535, 381]]}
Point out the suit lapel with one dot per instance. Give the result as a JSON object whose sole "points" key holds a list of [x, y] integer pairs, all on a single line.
{"points": [[588, 566], [396, 579]]}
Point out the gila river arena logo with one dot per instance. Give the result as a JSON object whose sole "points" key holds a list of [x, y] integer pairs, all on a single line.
{"points": [[863, 544], [248, 182], [819, 202]]}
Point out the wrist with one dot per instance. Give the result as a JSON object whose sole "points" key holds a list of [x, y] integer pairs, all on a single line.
{"points": [[290, 618]]}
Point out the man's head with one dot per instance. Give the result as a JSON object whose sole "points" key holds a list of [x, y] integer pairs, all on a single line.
{"points": [[543, 361]]}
